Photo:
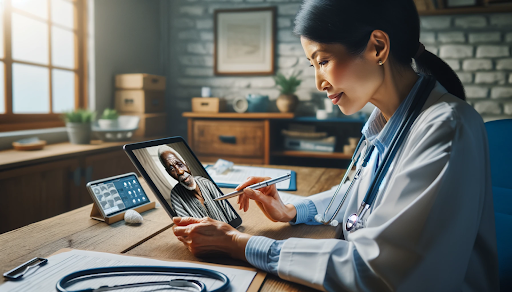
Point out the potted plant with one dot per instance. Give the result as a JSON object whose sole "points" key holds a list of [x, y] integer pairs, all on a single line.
{"points": [[109, 119], [287, 101], [78, 125]]}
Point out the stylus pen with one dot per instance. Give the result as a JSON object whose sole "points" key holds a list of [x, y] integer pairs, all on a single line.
{"points": [[256, 186]]}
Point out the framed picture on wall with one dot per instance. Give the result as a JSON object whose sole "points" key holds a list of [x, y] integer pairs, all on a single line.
{"points": [[244, 41]]}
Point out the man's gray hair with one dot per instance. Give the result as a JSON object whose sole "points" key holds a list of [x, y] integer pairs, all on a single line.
{"points": [[166, 148]]}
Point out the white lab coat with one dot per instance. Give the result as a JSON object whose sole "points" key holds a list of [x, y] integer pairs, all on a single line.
{"points": [[432, 224]]}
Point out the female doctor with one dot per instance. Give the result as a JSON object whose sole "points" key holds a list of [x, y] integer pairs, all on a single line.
{"points": [[431, 224]]}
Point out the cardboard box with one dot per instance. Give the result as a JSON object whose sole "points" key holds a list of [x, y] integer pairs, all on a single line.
{"points": [[140, 101], [151, 125], [140, 81], [208, 104]]}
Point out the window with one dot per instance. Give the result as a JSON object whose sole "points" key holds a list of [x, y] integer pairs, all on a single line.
{"points": [[42, 62]]}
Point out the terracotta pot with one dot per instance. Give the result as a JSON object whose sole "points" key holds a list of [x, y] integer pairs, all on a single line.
{"points": [[287, 103]]}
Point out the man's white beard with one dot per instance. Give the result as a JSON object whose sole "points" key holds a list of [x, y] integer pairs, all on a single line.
{"points": [[190, 187]]}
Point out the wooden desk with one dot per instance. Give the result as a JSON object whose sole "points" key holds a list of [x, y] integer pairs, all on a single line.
{"points": [[154, 237]]}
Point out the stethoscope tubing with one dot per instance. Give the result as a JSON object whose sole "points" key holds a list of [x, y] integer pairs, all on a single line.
{"points": [[367, 156], [395, 144], [142, 270], [355, 158]]}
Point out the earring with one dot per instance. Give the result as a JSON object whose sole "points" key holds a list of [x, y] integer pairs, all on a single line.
{"points": [[380, 63]]}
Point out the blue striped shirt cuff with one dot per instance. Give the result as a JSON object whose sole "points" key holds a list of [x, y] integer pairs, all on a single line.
{"points": [[257, 250], [306, 211]]}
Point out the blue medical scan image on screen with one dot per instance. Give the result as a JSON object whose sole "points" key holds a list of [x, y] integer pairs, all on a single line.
{"points": [[119, 194]]}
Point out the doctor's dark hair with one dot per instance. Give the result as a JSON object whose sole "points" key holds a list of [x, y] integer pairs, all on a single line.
{"points": [[351, 22]]}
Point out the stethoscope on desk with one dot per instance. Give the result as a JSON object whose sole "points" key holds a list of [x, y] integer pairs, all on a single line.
{"points": [[177, 284], [354, 220]]}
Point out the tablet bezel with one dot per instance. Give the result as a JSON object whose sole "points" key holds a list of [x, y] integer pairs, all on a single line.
{"points": [[128, 148]]}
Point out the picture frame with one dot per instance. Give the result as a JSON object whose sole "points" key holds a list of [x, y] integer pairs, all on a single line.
{"points": [[244, 41], [461, 3]]}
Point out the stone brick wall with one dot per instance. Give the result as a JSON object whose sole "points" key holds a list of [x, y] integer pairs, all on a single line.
{"points": [[477, 47]]}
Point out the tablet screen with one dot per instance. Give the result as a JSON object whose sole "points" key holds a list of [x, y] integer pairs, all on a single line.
{"points": [[183, 182], [119, 194]]}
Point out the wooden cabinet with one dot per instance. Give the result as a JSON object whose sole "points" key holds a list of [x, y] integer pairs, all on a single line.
{"points": [[39, 185], [255, 138], [241, 139], [37, 192]]}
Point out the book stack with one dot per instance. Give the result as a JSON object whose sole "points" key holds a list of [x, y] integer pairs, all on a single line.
{"points": [[305, 138], [143, 95]]}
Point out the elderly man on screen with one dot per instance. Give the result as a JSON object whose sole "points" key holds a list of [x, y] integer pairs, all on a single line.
{"points": [[193, 195]]}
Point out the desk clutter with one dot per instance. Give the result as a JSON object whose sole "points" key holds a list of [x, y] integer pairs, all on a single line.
{"points": [[142, 95]]}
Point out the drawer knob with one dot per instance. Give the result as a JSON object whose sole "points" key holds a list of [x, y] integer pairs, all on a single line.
{"points": [[227, 139]]}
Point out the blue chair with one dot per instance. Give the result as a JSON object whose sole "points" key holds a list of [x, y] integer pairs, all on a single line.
{"points": [[499, 134]]}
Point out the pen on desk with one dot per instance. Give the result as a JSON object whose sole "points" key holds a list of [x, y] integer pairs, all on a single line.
{"points": [[256, 186]]}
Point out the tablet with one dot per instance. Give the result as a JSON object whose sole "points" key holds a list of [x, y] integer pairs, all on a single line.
{"points": [[179, 180], [117, 194]]}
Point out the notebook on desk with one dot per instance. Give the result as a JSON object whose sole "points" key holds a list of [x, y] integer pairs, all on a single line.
{"points": [[238, 174]]}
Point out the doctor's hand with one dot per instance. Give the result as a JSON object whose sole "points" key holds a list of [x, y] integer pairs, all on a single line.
{"points": [[206, 236], [267, 199]]}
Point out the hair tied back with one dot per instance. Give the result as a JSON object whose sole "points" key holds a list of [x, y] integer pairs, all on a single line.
{"points": [[421, 49]]}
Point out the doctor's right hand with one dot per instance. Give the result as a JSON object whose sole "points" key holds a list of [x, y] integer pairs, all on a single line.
{"points": [[267, 199]]}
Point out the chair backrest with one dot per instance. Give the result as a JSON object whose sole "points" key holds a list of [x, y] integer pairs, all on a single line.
{"points": [[499, 134]]}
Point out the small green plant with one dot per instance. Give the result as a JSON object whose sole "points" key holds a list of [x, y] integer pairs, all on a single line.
{"points": [[109, 114], [79, 116], [287, 85]]}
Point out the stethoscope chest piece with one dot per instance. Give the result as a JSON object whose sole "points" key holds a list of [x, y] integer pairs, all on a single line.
{"points": [[351, 222]]}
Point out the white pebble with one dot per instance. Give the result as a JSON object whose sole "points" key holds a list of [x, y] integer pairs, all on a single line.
{"points": [[132, 217]]}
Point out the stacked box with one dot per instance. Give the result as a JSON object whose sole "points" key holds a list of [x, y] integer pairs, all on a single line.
{"points": [[142, 95]]}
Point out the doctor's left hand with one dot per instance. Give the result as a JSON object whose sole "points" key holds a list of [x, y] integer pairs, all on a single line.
{"points": [[206, 236]]}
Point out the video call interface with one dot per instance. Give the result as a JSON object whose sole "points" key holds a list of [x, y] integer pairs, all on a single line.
{"points": [[119, 194], [183, 183]]}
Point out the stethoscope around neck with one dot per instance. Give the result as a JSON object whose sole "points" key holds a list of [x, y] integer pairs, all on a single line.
{"points": [[354, 220]]}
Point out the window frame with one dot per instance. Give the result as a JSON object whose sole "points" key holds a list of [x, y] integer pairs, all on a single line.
{"points": [[10, 121]]}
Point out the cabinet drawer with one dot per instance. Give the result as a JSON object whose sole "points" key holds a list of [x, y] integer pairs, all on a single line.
{"points": [[232, 138]]}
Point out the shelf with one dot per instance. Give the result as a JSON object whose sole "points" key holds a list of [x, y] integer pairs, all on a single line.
{"points": [[239, 116], [312, 154], [497, 8], [360, 119]]}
